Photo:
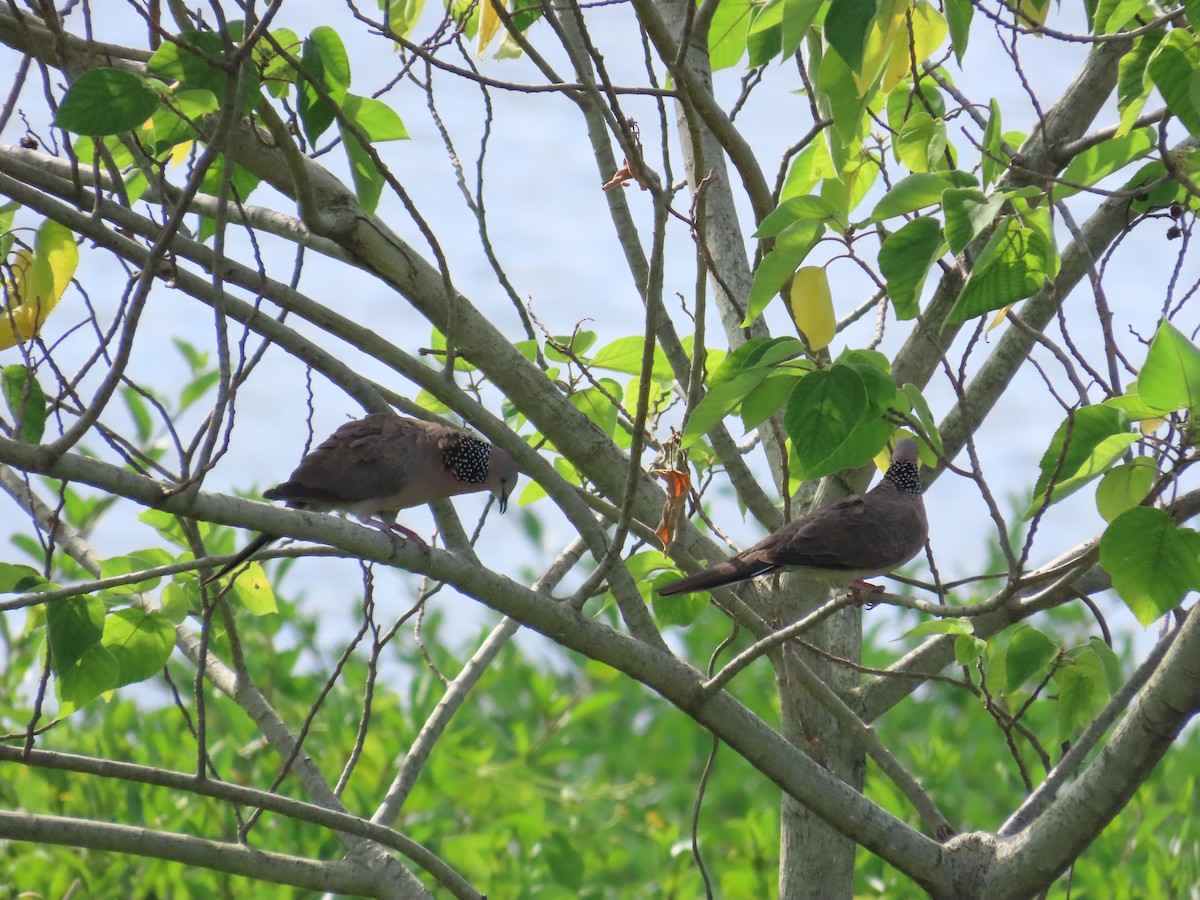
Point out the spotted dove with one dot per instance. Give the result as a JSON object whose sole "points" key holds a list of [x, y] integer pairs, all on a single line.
{"points": [[843, 543], [378, 465]]}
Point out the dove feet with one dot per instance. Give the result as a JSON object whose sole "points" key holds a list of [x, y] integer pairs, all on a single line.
{"points": [[860, 587], [399, 533]]}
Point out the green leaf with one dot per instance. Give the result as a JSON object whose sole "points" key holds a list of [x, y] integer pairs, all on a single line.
{"points": [[942, 626], [196, 360], [823, 410], [1152, 187], [727, 34], [769, 397], [1099, 435], [646, 569], [276, 71], [1029, 652], [681, 609], [798, 16], [8, 212], [242, 180], [190, 66], [1109, 662], [173, 122], [764, 38], [106, 101], [597, 406], [903, 102], [777, 266], [1013, 265], [838, 98], [905, 259], [139, 641], [1125, 486], [994, 157], [1133, 79], [876, 372], [719, 402], [958, 18], [1103, 159], [368, 179], [868, 435], [325, 60], [968, 213], [1082, 691], [846, 26], [1132, 404], [252, 590], [1111, 16], [737, 375], [578, 343], [924, 415], [812, 166], [150, 558], [15, 579], [756, 353], [808, 206], [74, 625], [852, 184], [1170, 378], [1173, 68], [179, 600], [1153, 562], [26, 402], [378, 120], [625, 355], [197, 388], [917, 191], [968, 649], [95, 672], [167, 525], [380, 123], [862, 445], [921, 143]]}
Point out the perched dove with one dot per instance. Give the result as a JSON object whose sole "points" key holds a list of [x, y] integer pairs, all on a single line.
{"points": [[378, 465], [844, 542]]}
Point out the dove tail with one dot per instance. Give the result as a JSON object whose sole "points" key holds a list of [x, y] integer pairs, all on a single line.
{"points": [[730, 571], [244, 554]]}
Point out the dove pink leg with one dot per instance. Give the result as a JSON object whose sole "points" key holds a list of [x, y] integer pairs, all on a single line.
{"points": [[396, 530]]}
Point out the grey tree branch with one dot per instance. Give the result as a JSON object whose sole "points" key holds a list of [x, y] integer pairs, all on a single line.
{"points": [[244, 796], [345, 876]]}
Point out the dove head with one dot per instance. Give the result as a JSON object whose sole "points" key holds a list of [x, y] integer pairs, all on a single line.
{"points": [[904, 472], [480, 466], [502, 476]]}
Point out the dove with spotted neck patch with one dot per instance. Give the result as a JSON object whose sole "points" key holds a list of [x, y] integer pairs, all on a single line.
{"points": [[842, 543], [375, 466]]}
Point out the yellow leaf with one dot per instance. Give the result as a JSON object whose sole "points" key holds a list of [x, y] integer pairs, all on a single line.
{"points": [[179, 153], [40, 280], [17, 325], [20, 264], [1001, 314], [884, 30], [928, 31], [56, 250], [489, 24], [1032, 12], [812, 306]]}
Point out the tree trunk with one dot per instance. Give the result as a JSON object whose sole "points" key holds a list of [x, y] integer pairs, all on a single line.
{"points": [[814, 859]]}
